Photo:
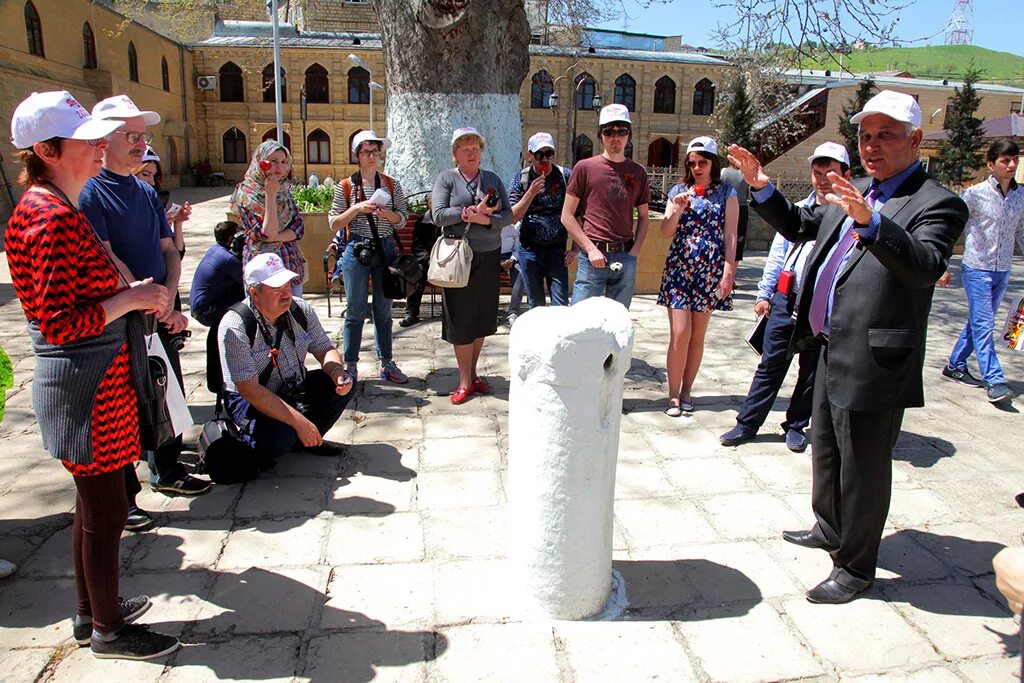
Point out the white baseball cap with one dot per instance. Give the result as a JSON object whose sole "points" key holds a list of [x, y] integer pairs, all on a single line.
{"points": [[269, 270], [539, 141], [122, 107], [830, 150], [612, 113], [150, 155], [464, 131], [55, 114], [896, 105], [369, 136], [702, 143]]}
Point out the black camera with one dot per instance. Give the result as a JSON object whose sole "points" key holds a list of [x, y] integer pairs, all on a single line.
{"points": [[177, 341], [237, 244], [364, 253], [294, 394]]}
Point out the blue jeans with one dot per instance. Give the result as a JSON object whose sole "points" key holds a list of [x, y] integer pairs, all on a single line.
{"points": [[538, 264], [515, 277], [591, 281], [984, 290], [357, 291]]}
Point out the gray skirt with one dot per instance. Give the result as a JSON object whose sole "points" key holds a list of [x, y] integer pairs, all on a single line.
{"points": [[471, 312]]}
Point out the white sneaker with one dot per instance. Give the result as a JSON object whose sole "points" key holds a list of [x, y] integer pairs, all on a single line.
{"points": [[512, 318], [7, 568]]}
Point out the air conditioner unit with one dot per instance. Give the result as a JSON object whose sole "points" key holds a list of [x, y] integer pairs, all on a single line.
{"points": [[206, 82]]}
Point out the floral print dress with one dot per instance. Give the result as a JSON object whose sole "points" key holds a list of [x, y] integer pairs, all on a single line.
{"points": [[696, 257]]}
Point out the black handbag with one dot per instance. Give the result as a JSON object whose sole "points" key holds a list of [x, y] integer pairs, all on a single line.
{"points": [[402, 275], [155, 427], [223, 455]]}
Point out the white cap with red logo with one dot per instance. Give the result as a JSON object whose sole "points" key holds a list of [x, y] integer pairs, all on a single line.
{"points": [[55, 114], [613, 113], [122, 107], [896, 105], [830, 150], [539, 141], [269, 270]]}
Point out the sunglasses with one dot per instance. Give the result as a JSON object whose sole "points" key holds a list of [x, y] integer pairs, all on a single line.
{"points": [[544, 154], [615, 132], [135, 138]]}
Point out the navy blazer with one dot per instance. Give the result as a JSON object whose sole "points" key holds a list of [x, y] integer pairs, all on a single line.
{"points": [[884, 293]]}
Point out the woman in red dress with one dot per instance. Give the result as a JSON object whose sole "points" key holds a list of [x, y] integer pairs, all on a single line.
{"points": [[83, 391]]}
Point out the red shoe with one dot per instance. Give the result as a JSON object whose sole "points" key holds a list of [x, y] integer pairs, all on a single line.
{"points": [[481, 387], [461, 395]]}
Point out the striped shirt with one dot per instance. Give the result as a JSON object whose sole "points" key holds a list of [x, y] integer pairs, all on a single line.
{"points": [[241, 362], [360, 226]]}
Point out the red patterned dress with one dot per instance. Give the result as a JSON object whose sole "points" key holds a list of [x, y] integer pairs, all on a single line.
{"points": [[61, 274]]}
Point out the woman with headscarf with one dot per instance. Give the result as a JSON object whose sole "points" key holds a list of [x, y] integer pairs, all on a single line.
{"points": [[267, 211], [88, 340], [470, 201]]}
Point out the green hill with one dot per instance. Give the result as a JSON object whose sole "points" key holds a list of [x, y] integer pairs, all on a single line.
{"points": [[937, 61]]}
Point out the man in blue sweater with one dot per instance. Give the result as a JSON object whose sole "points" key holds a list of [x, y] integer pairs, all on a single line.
{"points": [[216, 286]]}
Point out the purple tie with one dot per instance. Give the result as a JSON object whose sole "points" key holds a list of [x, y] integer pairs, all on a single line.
{"points": [[823, 288]]}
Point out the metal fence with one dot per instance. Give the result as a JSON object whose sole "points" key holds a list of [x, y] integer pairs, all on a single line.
{"points": [[662, 178]]}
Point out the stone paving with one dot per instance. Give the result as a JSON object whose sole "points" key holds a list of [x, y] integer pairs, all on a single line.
{"points": [[388, 564]]}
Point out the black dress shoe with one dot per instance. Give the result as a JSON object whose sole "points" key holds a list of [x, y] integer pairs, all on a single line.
{"points": [[409, 320], [807, 539], [831, 592]]}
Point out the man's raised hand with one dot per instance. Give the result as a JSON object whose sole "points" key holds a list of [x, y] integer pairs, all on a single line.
{"points": [[747, 164]]}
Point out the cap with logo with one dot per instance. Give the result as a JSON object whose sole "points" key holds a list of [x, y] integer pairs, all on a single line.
{"points": [[269, 270], [896, 105], [369, 136], [465, 131], [830, 150], [55, 114], [122, 107], [614, 113], [150, 155], [539, 141], [702, 143]]}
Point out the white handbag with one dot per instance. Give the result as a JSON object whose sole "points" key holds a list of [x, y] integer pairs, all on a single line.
{"points": [[450, 260]]}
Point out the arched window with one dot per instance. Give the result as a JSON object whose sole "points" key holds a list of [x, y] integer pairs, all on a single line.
{"points": [[133, 63], [586, 88], [234, 147], [89, 46], [268, 84], [231, 87], [541, 87], [704, 98], [583, 148], [625, 91], [351, 154], [33, 30], [664, 96], [661, 153], [318, 147], [317, 88], [358, 85], [271, 134], [165, 74]]}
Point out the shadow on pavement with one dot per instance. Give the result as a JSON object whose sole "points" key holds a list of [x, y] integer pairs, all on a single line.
{"points": [[376, 460], [685, 590], [922, 450]]}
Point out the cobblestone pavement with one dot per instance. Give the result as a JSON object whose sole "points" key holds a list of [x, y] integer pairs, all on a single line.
{"points": [[387, 564]]}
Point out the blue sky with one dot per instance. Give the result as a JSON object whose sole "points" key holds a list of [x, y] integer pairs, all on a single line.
{"points": [[997, 24]]}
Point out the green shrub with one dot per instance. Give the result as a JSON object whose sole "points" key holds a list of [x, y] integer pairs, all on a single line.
{"points": [[313, 199]]}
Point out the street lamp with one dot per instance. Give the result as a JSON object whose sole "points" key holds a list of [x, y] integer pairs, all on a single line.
{"points": [[304, 114], [373, 84], [554, 99]]}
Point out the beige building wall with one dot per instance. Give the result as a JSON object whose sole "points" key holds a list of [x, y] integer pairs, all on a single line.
{"points": [[62, 68]]}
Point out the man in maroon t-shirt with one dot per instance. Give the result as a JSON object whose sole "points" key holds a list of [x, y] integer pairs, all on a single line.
{"points": [[610, 187]]}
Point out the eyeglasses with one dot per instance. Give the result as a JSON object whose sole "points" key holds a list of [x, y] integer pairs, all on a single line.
{"points": [[544, 154], [698, 164], [136, 138], [370, 152], [615, 132]]}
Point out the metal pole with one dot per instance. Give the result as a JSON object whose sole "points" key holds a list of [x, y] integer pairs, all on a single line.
{"points": [[277, 74], [370, 87], [305, 145]]}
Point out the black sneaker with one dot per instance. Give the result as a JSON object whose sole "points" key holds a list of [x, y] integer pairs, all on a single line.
{"points": [[134, 642], [138, 519], [737, 435], [408, 320], [131, 609], [999, 392], [186, 486], [960, 377]]}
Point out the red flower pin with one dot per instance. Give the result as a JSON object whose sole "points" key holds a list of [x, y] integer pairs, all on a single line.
{"points": [[700, 191]]}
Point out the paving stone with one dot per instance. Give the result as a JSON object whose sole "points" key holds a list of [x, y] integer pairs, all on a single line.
{"points": [[662, 521], [26, 664], [474, 453], [786, 472], [744, 570], [389, 428], [965, 546], [275, 543], [465, 533], [80, 665], [461, 489], [624, 651], [930, 675], [382, 656], [991, 669], [264, 658], [186, 545], [215, 504], [36, 612], [748, 646], [472, 590], [829, 632], [641, 480], [708, 476], [498, 652], [460, 426], [259, 600], [920, 507], [378, 596], [368, 495], [750, 515], [273, 497], [371, 540]]}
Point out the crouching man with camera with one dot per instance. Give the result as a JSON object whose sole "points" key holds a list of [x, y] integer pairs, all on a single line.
{"points": [[277, 405]]}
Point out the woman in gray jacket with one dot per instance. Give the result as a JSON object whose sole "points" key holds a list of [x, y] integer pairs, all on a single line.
{"points": [[472, 202]]}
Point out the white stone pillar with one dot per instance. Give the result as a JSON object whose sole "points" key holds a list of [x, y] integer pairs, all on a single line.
{"points": [[565, 404]]}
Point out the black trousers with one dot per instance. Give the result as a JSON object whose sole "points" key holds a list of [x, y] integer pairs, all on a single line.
{"points": [[851, 457], [741, 231], [771, 372]]}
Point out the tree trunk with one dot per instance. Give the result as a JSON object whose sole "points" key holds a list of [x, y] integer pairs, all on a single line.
{"points": [[452, 63]]}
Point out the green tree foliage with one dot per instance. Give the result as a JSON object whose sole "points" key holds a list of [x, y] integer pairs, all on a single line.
{"points": [[738, 126], [6, 380], [848, 130], [960, 153]]}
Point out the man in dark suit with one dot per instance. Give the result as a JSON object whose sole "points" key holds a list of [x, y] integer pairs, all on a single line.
{"points": [[881, 245]]}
